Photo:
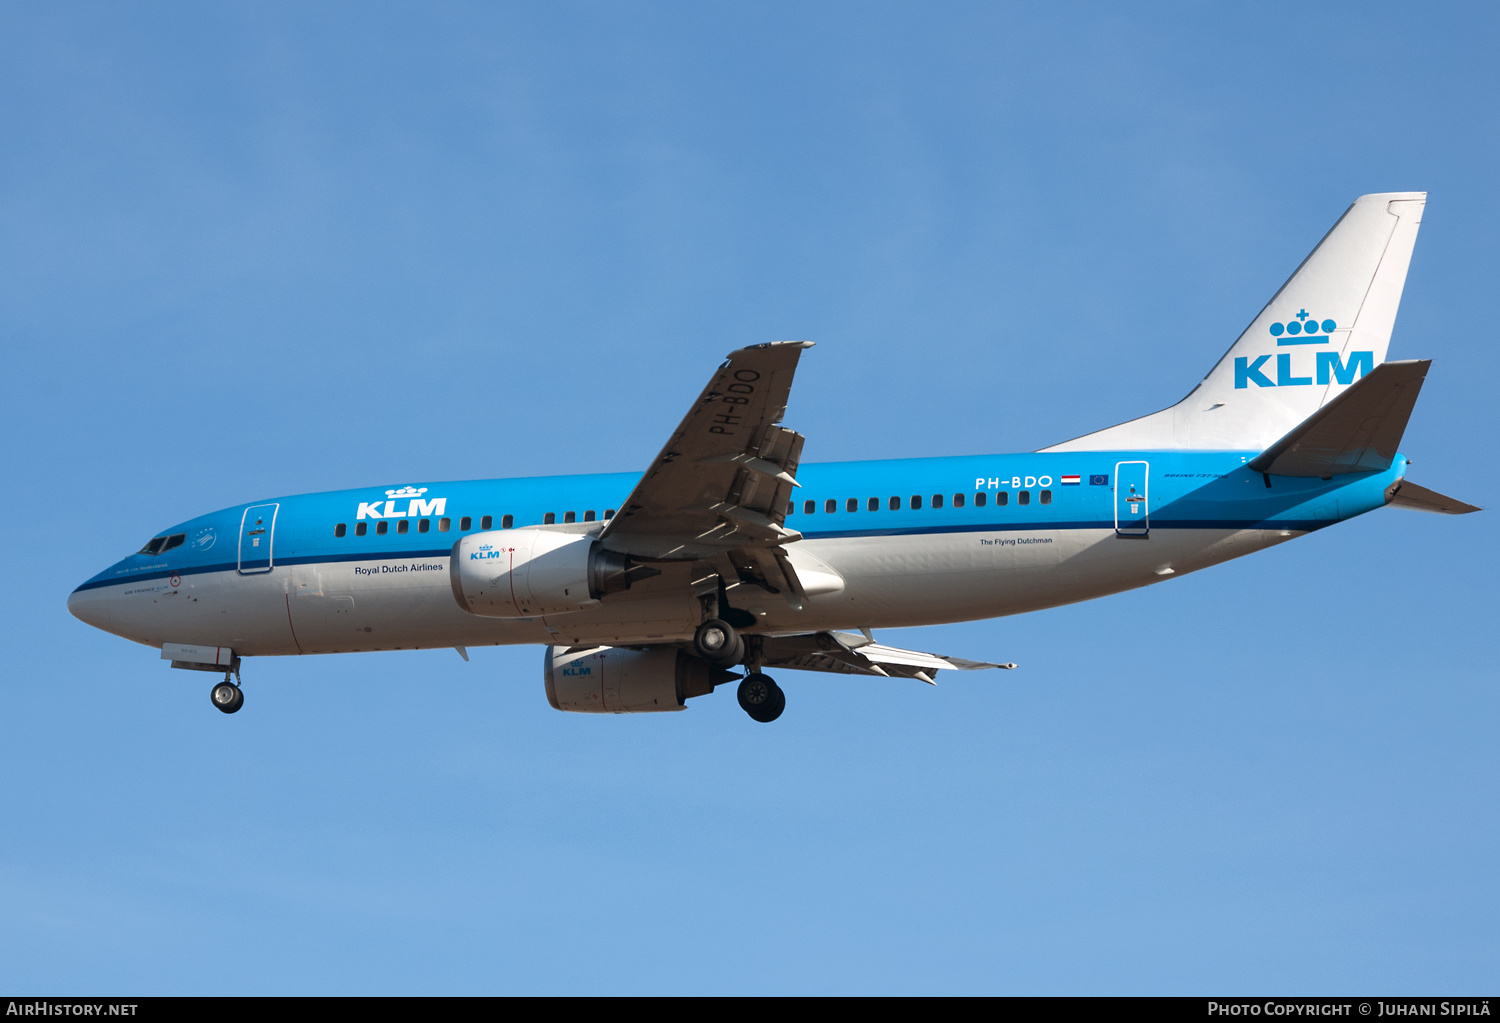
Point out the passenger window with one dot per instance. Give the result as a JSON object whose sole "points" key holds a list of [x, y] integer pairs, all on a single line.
{"points": [[808, 507], [381, 527], [464, 524], [570, 516], [588, 516], [486, 522], [958, 500], [339, 529], [852, 504], [1023, 497], [403, 526], [423, 526], [360, 528], [895, 504], [980, 500], [444, 524], [1002, 499], [550, 519], [1046, 497], [830, 506], [916, 502], [873, 504], [937, 500], [505, 522], [609, 513]]}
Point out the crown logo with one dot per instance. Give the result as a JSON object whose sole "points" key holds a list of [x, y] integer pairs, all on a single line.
{"points": [[1304, 325], [396, 495]]}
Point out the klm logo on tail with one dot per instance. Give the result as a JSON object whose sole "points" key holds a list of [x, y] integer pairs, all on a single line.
{"points": [[1327, 367]]}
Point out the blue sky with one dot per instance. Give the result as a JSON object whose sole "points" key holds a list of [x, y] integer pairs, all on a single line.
{"points": [[252, 250]]}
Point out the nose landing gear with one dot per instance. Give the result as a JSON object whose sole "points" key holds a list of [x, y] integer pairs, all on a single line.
{"points": [[761, 697], [226, 695]]}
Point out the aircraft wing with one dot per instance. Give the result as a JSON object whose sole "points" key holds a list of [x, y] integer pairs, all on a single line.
{"points": [[723, 481], [850, 654]]}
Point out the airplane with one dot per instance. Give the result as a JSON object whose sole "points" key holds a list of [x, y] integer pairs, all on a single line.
{"points": [[729, 553]]}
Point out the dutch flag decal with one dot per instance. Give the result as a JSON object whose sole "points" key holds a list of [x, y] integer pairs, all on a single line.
{"points": [[1070, 481]]}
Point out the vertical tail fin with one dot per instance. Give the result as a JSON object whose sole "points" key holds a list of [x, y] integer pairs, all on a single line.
{"points": [[1327, 326]]}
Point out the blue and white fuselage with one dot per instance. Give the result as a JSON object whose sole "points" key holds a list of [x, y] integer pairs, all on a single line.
{"points": [[728, 551], [303, 588]]}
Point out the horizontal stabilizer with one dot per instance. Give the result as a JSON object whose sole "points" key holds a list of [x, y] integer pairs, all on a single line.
{"points": [[1359, 431], [849, 654], [1406, 494]]}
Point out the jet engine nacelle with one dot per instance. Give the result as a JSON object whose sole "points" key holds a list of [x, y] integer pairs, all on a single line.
{"points": [[612, 680], [519, 573]]}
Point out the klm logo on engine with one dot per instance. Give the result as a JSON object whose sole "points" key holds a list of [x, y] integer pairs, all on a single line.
{"points": [[1326, 367], [577, 671], [488, 552], [407, 502]]}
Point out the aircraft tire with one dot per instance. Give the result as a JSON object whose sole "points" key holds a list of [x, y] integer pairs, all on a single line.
{"points": [[718, 643], [761, 697], [227, 697]]}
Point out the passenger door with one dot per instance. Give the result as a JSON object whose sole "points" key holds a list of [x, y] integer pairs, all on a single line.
{"points": [[1132, 515], [257, 530]]}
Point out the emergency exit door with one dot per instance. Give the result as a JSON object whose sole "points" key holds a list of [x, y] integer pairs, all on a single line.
{"points": [[257, 530], [1132, 504]]}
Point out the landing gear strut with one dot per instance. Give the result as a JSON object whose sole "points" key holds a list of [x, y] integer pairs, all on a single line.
{"points": [[717, 642], [761, 697], [226, 695]]}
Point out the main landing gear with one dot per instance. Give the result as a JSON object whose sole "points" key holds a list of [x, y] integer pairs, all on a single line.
{"points": [[718, 643], [226, 695], [761, 697]]}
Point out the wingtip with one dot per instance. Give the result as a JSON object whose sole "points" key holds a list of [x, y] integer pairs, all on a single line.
{"points": [[766, 345]]}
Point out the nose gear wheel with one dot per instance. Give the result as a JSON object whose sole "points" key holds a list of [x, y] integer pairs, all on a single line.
{"points": [[227, 697]]}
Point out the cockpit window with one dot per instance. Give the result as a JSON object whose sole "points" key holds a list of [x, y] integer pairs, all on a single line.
{"points": [[162, 544]]}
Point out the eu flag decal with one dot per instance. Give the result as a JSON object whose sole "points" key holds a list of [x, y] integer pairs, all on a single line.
{"points": [[1099, 481]]}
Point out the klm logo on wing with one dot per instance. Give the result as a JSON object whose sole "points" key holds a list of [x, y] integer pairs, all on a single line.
{"points": [[1327, 367], [416, 505]]}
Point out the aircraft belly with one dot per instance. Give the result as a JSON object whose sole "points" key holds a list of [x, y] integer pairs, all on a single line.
{"points": [[341, 607], [890, 581], [353, 606], [245, 613], [934, 578]]}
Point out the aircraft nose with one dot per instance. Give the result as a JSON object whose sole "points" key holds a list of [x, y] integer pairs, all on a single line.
{"points": [[90, 607]]}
